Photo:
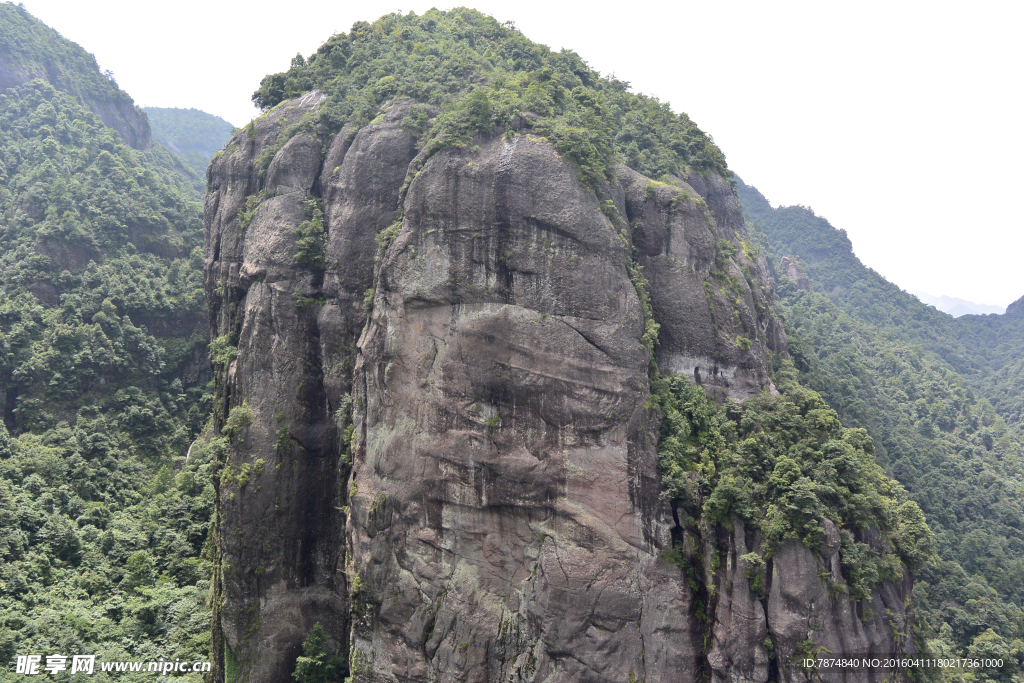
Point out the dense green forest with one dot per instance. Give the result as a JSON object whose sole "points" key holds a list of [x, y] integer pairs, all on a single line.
{"points": [[193, 135], [103, 376], [919, 382], [995, 344]]}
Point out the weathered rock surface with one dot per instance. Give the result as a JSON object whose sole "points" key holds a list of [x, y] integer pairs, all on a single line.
{"points": [[790, 265], [502, 517], [507, 511], [281, 532], [796, 609], [801, 608], [714, 307]]}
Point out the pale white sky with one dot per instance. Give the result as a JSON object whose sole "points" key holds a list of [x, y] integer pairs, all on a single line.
{"points": [[900, 122]]}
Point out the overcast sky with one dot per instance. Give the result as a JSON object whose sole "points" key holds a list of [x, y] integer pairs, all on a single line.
{"points": [[900, 122]]}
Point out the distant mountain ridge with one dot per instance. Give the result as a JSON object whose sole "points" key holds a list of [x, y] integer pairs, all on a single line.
{"points": [[1016, 309], [987, 350], [957, 307], [193, 135]]}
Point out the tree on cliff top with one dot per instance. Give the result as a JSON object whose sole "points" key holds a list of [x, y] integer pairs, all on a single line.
{"points": [[484, 76]]}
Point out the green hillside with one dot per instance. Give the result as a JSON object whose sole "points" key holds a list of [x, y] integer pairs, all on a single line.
{"points": [[917, 380], [193, 135], [103, 376], [995, 344]]}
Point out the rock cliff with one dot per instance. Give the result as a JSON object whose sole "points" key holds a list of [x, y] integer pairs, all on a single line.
{"points": [[444, 449], [794, 271]]}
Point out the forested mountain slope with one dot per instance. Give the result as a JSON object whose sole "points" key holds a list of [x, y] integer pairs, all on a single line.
{"points": [[30, 49], [936, 394], [193, 135], [998, 345], [103, 371], [987, 350]]}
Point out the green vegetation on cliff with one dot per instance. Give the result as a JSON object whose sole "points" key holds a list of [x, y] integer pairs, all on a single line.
{"points": [[29, 49], [784, 464], [486, 77], [103, 367], [103, 387], [916, 380]]}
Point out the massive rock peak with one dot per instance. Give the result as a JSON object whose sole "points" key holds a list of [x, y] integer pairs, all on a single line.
{"points": [[440, 404]]}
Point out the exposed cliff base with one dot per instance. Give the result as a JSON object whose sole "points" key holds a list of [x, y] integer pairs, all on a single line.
{"points": [[445, 445]]}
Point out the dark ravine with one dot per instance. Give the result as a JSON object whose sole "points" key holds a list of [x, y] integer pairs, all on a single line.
{"points": [[444, 450]]}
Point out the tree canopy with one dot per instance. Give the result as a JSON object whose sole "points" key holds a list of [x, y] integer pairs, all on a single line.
{"points": [[484, 76]]}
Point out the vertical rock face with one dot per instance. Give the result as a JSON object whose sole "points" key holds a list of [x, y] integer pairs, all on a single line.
{"points": [[707, 285], [280, 527], [802, 609], [794, 270], [451, 462], [798, 612], [507, 518]]}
